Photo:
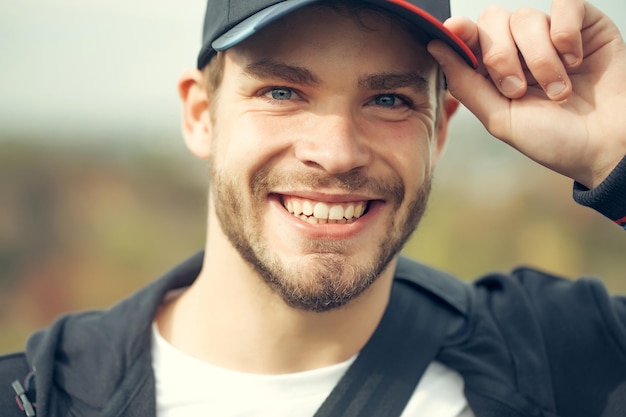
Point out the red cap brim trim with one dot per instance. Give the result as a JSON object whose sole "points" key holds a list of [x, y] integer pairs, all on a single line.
{"points": [[454, 38]]}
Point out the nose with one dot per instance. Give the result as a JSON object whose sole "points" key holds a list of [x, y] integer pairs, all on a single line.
{"points": [[334, 143]]}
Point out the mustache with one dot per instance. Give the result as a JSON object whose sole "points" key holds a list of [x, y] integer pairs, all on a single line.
{"points": [[391, 189]]}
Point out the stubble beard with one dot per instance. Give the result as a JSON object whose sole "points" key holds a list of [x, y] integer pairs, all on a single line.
{"points": [[323, 279]]}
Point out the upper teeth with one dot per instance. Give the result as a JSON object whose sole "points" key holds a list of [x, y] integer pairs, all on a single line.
{"points": [[308, 210]]}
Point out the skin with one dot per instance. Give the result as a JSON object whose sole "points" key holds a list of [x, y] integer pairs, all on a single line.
{"points": [[564, 112], [341, 136], [561, 112]]}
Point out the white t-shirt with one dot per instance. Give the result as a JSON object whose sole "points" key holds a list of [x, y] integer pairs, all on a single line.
{"points": [[186, 386]]}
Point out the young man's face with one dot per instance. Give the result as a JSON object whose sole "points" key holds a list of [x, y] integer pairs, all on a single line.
{"points": [[323, 140]]}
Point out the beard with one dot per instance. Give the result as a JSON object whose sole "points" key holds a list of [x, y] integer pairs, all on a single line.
{"points": [[323, 279]]}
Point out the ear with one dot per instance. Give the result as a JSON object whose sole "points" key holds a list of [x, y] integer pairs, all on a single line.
{"points": [[196, 122], [450, 106]]}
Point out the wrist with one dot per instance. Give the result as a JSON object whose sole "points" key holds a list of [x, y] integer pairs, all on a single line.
{"points": [[608, 197]]}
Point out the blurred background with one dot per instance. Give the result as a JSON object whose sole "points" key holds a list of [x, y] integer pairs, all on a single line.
{"points": [[99, 196]]}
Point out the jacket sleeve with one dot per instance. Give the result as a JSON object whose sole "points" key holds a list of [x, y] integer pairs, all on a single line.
{"points": [[608, 198]]}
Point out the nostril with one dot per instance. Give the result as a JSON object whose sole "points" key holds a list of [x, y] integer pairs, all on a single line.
{"points": [[332, 158]]}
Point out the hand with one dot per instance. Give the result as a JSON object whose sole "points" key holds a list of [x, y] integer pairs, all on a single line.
{"points": [[553, 87]]}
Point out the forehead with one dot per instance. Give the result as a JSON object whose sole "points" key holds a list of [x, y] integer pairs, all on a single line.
{"points": [[333, 37]]}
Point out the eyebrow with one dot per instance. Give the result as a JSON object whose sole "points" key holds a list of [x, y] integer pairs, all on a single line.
{"points": [[290, 73], [392, 81], [301, 75]]}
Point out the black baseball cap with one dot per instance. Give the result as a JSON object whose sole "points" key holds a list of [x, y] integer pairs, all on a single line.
{"points": [[229, 22]]}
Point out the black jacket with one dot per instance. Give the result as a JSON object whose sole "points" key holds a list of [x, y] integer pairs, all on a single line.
{"points": [[526, 343]]}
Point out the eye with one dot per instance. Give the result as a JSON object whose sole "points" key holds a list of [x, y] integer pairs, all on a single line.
{"points": [[280, 93], [390, 101]]}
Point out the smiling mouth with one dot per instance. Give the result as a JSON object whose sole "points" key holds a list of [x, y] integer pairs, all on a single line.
{"points": [[317, 212]]}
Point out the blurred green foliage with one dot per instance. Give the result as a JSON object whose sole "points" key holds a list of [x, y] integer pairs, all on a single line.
{"points": [[81, 228]]}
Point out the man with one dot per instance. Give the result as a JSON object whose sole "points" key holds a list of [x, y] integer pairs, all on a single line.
{"points": [[322, 123]]}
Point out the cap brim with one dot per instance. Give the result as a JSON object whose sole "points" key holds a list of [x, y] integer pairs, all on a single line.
{"points": [[425, 21], [430, 25]]}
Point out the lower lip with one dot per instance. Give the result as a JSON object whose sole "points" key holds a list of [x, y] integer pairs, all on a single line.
{"points": [[328, 230]]}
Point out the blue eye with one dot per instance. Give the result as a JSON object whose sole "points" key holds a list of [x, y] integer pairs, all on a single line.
{"points": [[386, 100], [281, 93], [389, 100]]}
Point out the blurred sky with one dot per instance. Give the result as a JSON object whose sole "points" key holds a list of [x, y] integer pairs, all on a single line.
{"points": [[102, 69]]}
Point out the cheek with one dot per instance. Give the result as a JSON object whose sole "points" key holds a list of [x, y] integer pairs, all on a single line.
{"points": [[247, 142], [408, 150], [416, 165]]}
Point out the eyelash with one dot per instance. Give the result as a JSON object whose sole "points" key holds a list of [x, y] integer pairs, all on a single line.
{"points": [[404, 100], [264, 93]]}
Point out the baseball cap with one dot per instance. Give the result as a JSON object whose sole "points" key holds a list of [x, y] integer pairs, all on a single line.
{"points": [[229, 22]]}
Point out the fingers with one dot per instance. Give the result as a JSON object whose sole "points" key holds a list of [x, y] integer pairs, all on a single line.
{"points": [[473, 89], [531, 31], [525, 52], [576, 54], [566, 30], [466, 30], [527, 47], [499, 52], [518, 50]]}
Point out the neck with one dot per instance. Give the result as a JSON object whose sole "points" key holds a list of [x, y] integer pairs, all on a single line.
{"points": [[231, 318]]}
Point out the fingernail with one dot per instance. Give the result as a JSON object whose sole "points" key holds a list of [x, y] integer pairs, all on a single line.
{"points": [[511, 84], [570, 59], [555, 88]]}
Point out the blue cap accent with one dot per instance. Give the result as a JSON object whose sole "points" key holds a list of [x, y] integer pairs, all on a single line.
{"points": [[255, 23]]}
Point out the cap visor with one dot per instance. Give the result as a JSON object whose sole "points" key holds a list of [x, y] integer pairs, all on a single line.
{"points": [[425, 21]]}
